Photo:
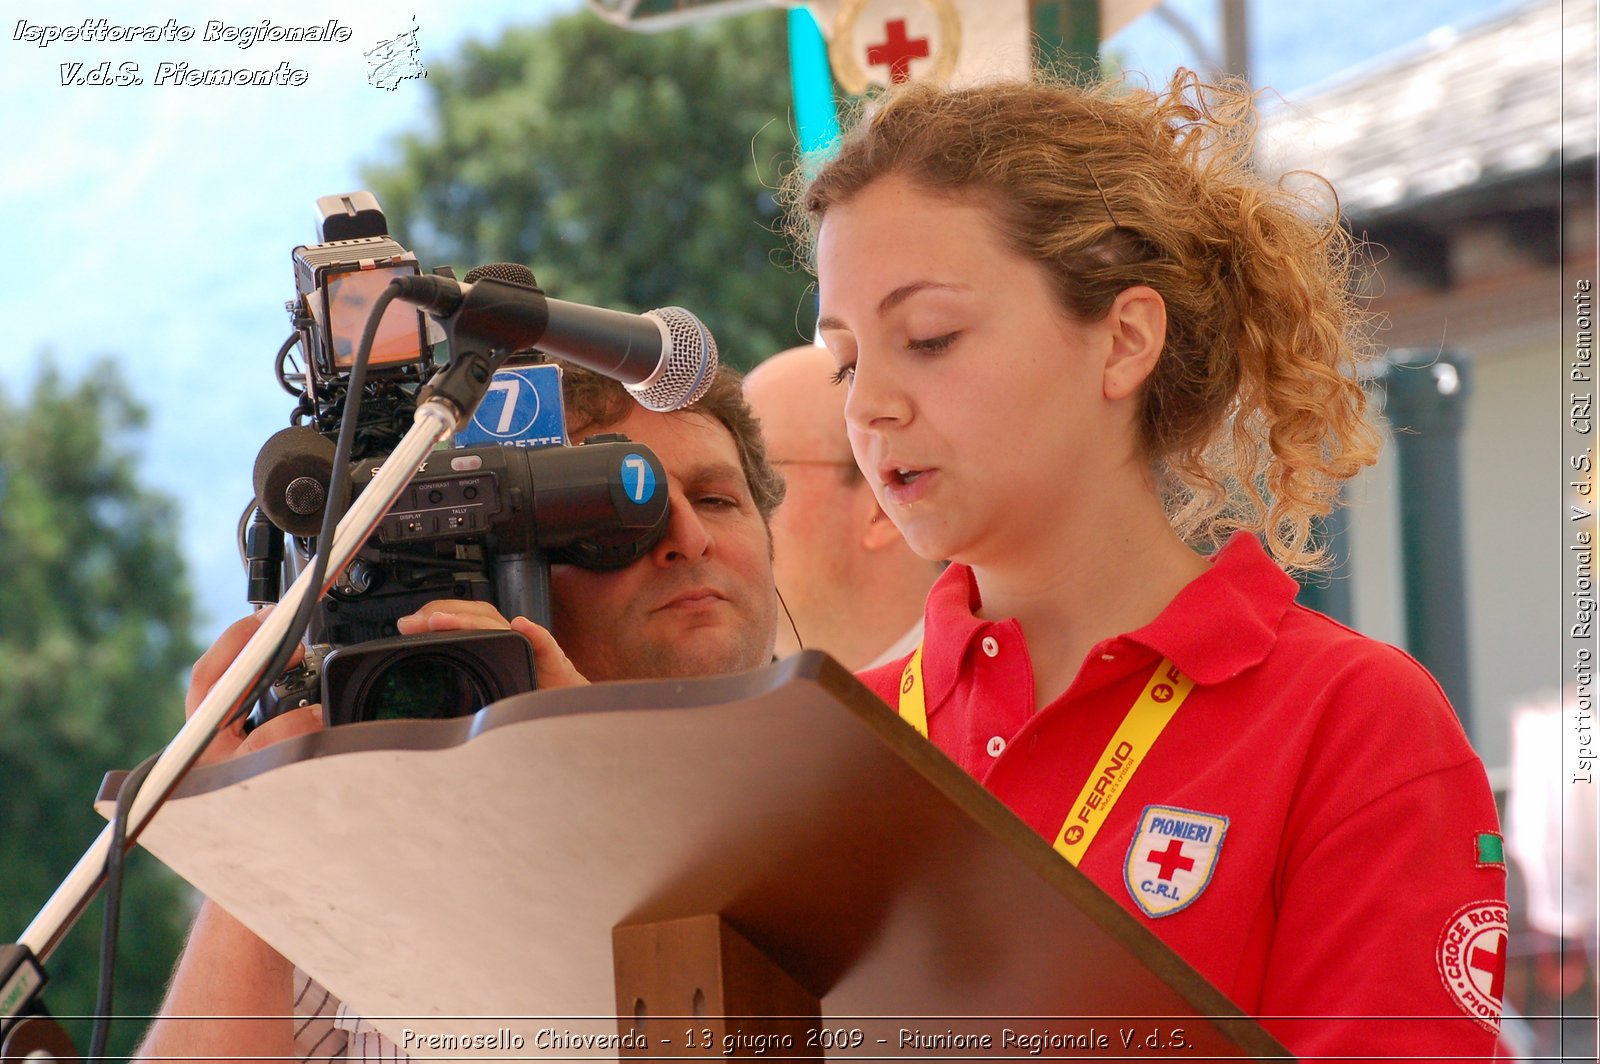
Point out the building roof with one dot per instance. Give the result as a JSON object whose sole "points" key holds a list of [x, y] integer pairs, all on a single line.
{"points": [[1507, 98]]}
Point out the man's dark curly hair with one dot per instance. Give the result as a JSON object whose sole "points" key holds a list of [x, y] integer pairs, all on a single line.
{"points": [[595, 403]]}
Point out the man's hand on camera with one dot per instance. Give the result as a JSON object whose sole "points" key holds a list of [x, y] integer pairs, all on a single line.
{"points": [[550, 662], [231, 740]]}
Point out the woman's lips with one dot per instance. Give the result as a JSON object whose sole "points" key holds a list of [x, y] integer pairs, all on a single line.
{"points": [[904, 484]]}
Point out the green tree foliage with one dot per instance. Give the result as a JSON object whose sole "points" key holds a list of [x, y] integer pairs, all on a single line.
{"points": [[627, 170], [95, 619]]}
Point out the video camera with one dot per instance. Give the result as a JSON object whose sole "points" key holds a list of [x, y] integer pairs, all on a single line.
{"points": [[481, 522]]}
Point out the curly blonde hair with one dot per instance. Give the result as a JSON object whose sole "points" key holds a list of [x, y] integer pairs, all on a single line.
{"points": [[1254, 414]]}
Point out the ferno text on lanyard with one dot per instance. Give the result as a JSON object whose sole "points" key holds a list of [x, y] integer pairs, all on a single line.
{"points": [[1144, 723]]}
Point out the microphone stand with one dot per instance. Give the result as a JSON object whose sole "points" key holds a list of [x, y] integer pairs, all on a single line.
{"points": [[20, 974]]}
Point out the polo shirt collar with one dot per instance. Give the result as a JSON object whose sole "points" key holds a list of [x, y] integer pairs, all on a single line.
{"points": [[951, 626], [1222, 623], [1225, 620]]}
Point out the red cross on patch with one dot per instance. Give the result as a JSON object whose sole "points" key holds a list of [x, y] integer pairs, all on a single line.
{"points": [[1172, 857], [1472, 959]]}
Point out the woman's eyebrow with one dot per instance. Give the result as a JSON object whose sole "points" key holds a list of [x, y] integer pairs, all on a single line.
{"points": [[894, 299]]}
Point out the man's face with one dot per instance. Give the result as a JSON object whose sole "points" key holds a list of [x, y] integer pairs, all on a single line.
{"points": [[816, 533], [701, 602]]}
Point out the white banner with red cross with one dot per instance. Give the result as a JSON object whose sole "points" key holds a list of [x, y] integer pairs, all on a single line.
{"points": [[956, 42], [881, 42]]}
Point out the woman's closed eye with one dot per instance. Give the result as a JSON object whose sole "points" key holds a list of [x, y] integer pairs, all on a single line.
{"points": [[934, 343]]}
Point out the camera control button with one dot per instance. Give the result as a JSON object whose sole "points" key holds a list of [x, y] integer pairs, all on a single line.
{"points": [[406, 526], [466, 463]]}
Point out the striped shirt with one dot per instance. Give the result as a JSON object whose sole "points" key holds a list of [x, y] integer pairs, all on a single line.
{"points": [[327, 1029]]}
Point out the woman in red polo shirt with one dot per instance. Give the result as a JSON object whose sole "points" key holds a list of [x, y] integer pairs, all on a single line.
{"points": [[1097, 363]]}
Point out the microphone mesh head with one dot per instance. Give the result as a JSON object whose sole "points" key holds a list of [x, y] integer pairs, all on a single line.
{"points": [[510, 272], [291, 478], [687, 367], [305, 496]]}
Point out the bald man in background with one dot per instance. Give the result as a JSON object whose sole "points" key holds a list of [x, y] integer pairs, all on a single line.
{"points": [[850, 582]]}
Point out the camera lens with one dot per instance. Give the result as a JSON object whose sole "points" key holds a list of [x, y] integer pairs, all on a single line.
{"points": [[432, 676], [423, 687]]}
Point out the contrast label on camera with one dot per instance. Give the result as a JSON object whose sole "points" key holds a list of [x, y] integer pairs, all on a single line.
{"points": [[522, 408]]}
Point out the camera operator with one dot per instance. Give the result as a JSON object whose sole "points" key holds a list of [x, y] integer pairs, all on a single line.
{"points": [[700, 603]]}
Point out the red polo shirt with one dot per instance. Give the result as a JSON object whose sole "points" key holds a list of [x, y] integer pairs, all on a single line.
{"points": [[1312, 831]]}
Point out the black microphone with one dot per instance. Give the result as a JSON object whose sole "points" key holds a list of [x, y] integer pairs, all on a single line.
{"points": [[665, 358]]}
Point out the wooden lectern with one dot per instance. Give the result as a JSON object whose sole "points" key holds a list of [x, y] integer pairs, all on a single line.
{"points": [[764, 864]]}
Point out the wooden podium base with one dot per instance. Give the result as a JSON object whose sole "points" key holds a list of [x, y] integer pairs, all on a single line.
{"points": [[696, 987]]}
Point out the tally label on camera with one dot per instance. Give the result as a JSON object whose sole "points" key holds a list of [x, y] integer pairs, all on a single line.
{"points": [[522, 408], [1173, 855]]}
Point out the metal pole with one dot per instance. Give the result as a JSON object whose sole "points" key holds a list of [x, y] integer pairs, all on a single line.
{"points": [[1236, 38], [1066, 36], [1328, 591], [1426, 404]]}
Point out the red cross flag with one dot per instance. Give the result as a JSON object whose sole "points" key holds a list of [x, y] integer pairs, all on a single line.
{"points": [[959, 42], [880, 42]]}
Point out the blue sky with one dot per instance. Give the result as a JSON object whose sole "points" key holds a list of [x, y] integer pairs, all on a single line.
{"points": [[153, 224]]}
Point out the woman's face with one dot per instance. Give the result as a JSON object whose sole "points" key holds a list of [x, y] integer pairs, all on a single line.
{"points": [[976, 406]]}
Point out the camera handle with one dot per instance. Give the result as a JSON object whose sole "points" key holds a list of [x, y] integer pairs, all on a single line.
{"points": [[20, 975], [522, 585]]}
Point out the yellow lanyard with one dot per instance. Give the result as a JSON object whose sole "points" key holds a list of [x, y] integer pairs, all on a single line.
{"points": [[1137, 733]]}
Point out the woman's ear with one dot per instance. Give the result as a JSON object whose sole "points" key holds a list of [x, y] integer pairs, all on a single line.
{"points": [[1137, 326]]}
